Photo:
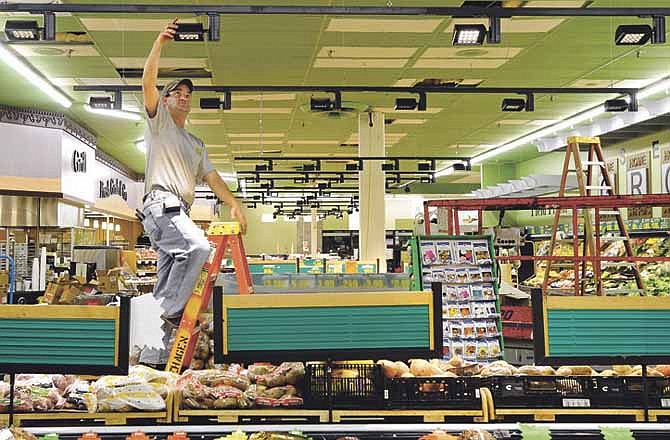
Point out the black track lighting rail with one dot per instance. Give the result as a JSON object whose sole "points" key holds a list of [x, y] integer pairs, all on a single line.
{"points": [[379, 89], [466, 11]]}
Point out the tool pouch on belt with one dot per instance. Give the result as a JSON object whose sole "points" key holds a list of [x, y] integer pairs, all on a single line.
{"points": [[171, 206]]}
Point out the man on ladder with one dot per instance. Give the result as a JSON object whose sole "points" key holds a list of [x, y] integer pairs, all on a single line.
{"points": [[176, 162]]}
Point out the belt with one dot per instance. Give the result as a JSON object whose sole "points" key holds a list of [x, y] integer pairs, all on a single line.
{"points": [[187, 208]]}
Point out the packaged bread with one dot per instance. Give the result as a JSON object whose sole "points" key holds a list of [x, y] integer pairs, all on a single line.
{"points": [[530, 370], [623, 370], [564, 371], [581, 370]]}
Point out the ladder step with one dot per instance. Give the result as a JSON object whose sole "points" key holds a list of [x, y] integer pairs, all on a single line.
{"points": [[610, 213], [618, 264], [593, 163], [598, 187], [612, 238]]}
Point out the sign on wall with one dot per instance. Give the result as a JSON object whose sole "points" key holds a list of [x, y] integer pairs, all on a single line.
{"points": [[638, 182], [665, 177]]}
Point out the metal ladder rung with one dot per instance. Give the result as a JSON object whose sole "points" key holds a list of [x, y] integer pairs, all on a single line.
{"points": [[610, 213], [613, 238]]}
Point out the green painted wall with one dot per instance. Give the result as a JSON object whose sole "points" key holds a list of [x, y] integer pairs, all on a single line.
{"points": [[276, 237], [552, 163]]}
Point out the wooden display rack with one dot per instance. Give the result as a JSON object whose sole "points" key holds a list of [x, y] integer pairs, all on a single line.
{"points": [[484, 415], [107, 418], [550, 414], [291, 415]]}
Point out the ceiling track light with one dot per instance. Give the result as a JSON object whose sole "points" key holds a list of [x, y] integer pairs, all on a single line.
{"points": [[216, 103], [326, 104], [189, 32], [519, 104], [22, 30], [411, 103]]}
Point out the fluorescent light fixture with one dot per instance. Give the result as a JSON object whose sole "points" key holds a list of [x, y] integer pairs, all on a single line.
{"points": [[22, 30], [141, 145], [661, 86], [32, 76], [469, 34], [446, 171], [632, 34], [120, 114], [229, 176]]}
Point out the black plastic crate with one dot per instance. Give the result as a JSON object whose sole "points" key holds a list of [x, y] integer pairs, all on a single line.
{"points": [[658, 389], [540, 391], [433, 392], [616, 392], [343, 385]]}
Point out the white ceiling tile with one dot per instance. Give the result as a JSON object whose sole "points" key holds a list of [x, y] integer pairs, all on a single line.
{"points": [[632, 83], [405, 82], [313, 142], [256, 142], [555, 4], [542, 122], [456, 63], [382, 26], [205, 121], [409, 121], [264, 110], [128, 24], [366, 52], [359, 63], [196, 81], [254, 135], [165, 62], [86, 81], [462, 53], [585, 82], [512, 122], [61, 50], [513, 25], [264, 97], [429, 110]]}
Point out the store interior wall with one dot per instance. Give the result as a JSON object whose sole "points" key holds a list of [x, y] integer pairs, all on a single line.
{"points": [[552, 163]]}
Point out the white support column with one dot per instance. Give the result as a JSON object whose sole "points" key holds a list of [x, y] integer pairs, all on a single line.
{"points": [[314, 233], [372, 189]]}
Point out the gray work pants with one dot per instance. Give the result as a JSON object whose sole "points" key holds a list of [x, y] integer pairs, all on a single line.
{"points": [[182, 251]]}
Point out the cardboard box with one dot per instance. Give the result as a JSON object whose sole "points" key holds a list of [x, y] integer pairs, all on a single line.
{"points": [[70, 292], [108, 280], [53, 292]]}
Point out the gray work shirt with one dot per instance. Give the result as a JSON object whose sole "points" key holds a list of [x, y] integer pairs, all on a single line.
{"points": [[176, 159]]}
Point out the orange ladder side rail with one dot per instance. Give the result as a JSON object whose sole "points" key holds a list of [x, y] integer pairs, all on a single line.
{"points": [[221, 236]]}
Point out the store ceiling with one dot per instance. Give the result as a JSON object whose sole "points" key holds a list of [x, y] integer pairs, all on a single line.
{"points": [[325, 50]]}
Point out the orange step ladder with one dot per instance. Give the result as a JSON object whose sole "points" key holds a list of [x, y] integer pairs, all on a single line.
{"points": [[222, 236]]}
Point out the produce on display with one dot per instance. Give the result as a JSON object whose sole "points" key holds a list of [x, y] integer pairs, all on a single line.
{"points": [[144, 389], [617, 277], [260, 385]]}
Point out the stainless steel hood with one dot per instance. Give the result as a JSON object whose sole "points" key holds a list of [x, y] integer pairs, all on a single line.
{"points": [[17, 211]]}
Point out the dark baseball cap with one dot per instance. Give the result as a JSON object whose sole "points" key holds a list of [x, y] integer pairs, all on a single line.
{"points": [[176, 83]]}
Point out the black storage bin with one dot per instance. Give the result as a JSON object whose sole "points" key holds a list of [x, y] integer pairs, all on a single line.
{"points": [[617, 392], [350, 385], [540, 391], [433, 392]]}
